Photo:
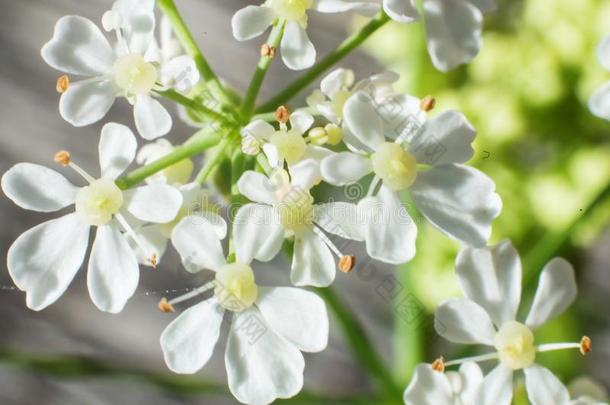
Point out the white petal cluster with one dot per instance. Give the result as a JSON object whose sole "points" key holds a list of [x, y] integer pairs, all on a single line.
{"points": [[599, 103]]}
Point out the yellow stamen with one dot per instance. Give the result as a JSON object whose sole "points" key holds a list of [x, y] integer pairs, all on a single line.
{"points": [[282, 114], [586, 345], [62, 84], [153, 261], [267, 50], [347, 263], [427, 103], [165, 306], [439, 365], [62, 157]]}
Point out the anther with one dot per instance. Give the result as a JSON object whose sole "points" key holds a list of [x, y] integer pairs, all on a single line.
{"points": [[62, 84], [347, 263], [586, 345], [439, 365], [282, 114], [427, 103], [153, 261], [268, 51], [62, 157], [165, 306]]}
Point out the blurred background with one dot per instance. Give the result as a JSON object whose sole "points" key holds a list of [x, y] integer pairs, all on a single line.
{"points": [[526, 94]]}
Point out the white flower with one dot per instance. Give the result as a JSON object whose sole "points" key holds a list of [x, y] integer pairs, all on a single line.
{"points": [[431, 387], [491, 280], [599, 103], [284, 145], [457, 199], [269, 329], [453, 27], [153, 238], [176, 174], [297, 50], [176, 69], [553, 391], [78, 47], [44, 260], [338, 86], [283, 207], [587, 392]]}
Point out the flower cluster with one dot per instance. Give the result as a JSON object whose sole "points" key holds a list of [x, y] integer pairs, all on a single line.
{"points": [[272, 165]]}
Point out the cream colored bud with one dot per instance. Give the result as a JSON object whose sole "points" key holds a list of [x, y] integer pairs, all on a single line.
{"points": [[334, 133]]}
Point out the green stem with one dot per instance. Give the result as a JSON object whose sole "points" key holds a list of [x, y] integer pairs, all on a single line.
{"points": [[362, 347], [192, 104], [168, 7], [326, 63], [247, 106], [552, 243], [211, 164], [198, 144]]}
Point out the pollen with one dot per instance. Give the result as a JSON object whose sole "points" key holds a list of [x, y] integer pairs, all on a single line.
{"points": [[153, 261], [165, 306], [586, 345], [427, 104], [62, 157], [439, 365], [63, 83], [282, 114], [347, 263], [267, 50]]}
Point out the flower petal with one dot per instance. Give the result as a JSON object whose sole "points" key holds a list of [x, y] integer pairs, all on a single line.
{"points": [[257, 188], [251, 21], [471, 378], [38, 188], [198, 245], [461, 320], [78, 47], [180, 73], [87, 102], [258, 129], [345, 168], [544, 388], [599, 103], [258, 233], [117, 149], [301, 121], [44, 259], [603, 53], [157, 202], [556, 291], [389, 231], [298, 52], [153, 243], [138, 23], [152, 119], [113, 273], [312, 262], [363, 121], [459, 200], [403, 11], [305, 174], [428, 387], [188, 341], [401, 114], [445, 139], [297, 315], [338, 6], [335, 81], [491, 277], [453, 30], [497, 387], [339, 218], [261, 365]]}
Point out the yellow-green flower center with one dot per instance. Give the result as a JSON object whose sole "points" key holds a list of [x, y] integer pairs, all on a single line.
{"points": [[395, 166], [296, 210], [235, 288], [291, 10], [290, 145], [134, 75], [515, 344], [98, 202], [338, 102]]}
